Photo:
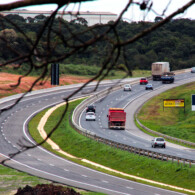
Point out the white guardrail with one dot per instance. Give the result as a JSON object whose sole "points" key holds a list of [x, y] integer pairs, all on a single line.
{"points": [[79, 109]]}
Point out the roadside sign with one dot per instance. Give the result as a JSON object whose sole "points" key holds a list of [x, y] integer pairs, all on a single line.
{"points": [[193, 102], [174, 103]]}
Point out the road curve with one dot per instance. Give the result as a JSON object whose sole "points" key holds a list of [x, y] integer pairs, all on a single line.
{"points": [[39, 162], [131, 101]]}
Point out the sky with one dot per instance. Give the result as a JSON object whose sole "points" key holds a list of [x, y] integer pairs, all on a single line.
{"points": [[115, 6]]}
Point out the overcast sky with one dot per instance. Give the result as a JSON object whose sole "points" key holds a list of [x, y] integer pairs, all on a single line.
{"points": [[115, 6]]}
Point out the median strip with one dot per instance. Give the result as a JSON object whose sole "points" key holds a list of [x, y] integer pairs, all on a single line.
{"points": [[57, 148]]}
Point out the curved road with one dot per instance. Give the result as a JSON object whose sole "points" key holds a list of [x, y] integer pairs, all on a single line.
{"points": [[44, 164], [131, 101]]}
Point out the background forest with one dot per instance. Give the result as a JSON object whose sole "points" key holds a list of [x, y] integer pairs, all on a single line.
{"points": [[174, 42]]}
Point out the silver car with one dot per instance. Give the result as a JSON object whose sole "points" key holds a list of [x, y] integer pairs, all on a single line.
{"points": [[193, 70], [90, 116], [127, 87], [149, 86], [158, 142]]}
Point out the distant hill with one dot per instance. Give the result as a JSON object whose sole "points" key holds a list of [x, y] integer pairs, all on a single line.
{"points": [[174, 42]]}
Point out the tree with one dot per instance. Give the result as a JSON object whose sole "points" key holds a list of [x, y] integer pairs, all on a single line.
{"points": [[39, 18], [54, 35]]}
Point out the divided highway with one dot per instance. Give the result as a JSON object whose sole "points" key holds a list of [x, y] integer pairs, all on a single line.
{"points": [[131, 101], [39, 162]]}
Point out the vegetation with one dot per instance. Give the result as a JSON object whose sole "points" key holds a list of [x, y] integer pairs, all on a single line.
{"points": [[11, 180], [172, 121], [174, 42], [81, 70], [69, 140]]}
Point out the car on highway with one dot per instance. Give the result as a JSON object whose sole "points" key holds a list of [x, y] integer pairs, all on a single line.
{"points": [[90, 116], [158, 142], [90, 108], [143, 81], [127, 87], [149, 86], [193, 70]]}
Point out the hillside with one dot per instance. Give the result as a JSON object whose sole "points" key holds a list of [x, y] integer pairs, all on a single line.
{"points": [[173, 42], [172, 121]]}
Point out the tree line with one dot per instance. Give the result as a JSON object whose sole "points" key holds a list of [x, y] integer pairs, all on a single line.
{"points": [[173, 42]]}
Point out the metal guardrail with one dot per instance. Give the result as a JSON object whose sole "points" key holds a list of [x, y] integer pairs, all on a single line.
{"points": [[75, 124], [163, 135]]}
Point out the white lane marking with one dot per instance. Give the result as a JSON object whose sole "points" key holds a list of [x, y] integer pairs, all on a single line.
{"points": [[130, 188], [57, 176], [29, 154], [84, 175], [66, 170], [39, 159], [52, 165], [105, 181]]}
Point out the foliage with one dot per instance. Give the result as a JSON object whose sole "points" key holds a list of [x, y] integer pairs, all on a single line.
{"points": [[174, 42]]}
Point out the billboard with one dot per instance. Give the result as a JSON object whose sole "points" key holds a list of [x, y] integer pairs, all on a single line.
{"points": [[193, 102], [169, 103]]}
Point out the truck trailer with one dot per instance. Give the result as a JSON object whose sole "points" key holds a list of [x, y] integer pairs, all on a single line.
{"points": [[158, 69], [116, 118]]}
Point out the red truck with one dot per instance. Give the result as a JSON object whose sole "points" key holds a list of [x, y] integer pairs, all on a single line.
{"points": [[116, 118]]}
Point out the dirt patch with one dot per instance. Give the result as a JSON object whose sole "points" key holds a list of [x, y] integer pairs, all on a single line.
{"points": [[46, 189], [8, 81]]}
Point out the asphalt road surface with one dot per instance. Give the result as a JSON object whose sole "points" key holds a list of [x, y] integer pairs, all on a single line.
{"points": [[131, 101], [39, 162]]}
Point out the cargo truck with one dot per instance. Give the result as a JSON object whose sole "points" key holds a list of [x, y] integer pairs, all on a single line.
{"points": [[158, 69], [116, 118]]}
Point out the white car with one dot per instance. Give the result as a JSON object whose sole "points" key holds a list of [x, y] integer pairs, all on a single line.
{"points": [[127, 87], [149, 86], [158, 141], [90, 116]]}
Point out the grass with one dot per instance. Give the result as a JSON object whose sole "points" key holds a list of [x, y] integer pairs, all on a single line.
{"points": [[172, 121], [77, 69], [74, 143], [11, 179]]}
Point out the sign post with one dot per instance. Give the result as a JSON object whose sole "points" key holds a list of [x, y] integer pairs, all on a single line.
{"points": [[54, 74], [193, 102]]}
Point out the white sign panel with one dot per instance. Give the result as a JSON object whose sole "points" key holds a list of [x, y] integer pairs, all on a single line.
{"points": [[193, 102]]}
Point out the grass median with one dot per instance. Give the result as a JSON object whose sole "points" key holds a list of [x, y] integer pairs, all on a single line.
{"points": [[84, 148]]}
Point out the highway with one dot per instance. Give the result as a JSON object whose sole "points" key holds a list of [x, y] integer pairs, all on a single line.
{"points": [[131, 100], [39, 162]]}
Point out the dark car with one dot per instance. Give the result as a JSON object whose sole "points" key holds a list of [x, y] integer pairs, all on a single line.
{"points": [[149, 86], [143, 81], [90, 108]]}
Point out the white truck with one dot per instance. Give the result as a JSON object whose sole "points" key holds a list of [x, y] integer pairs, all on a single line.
{"points": [[158, 69]]}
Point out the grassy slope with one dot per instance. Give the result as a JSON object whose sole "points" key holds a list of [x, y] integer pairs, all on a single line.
{"points": [[72, 142], [171, 121], [11, 179]]}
